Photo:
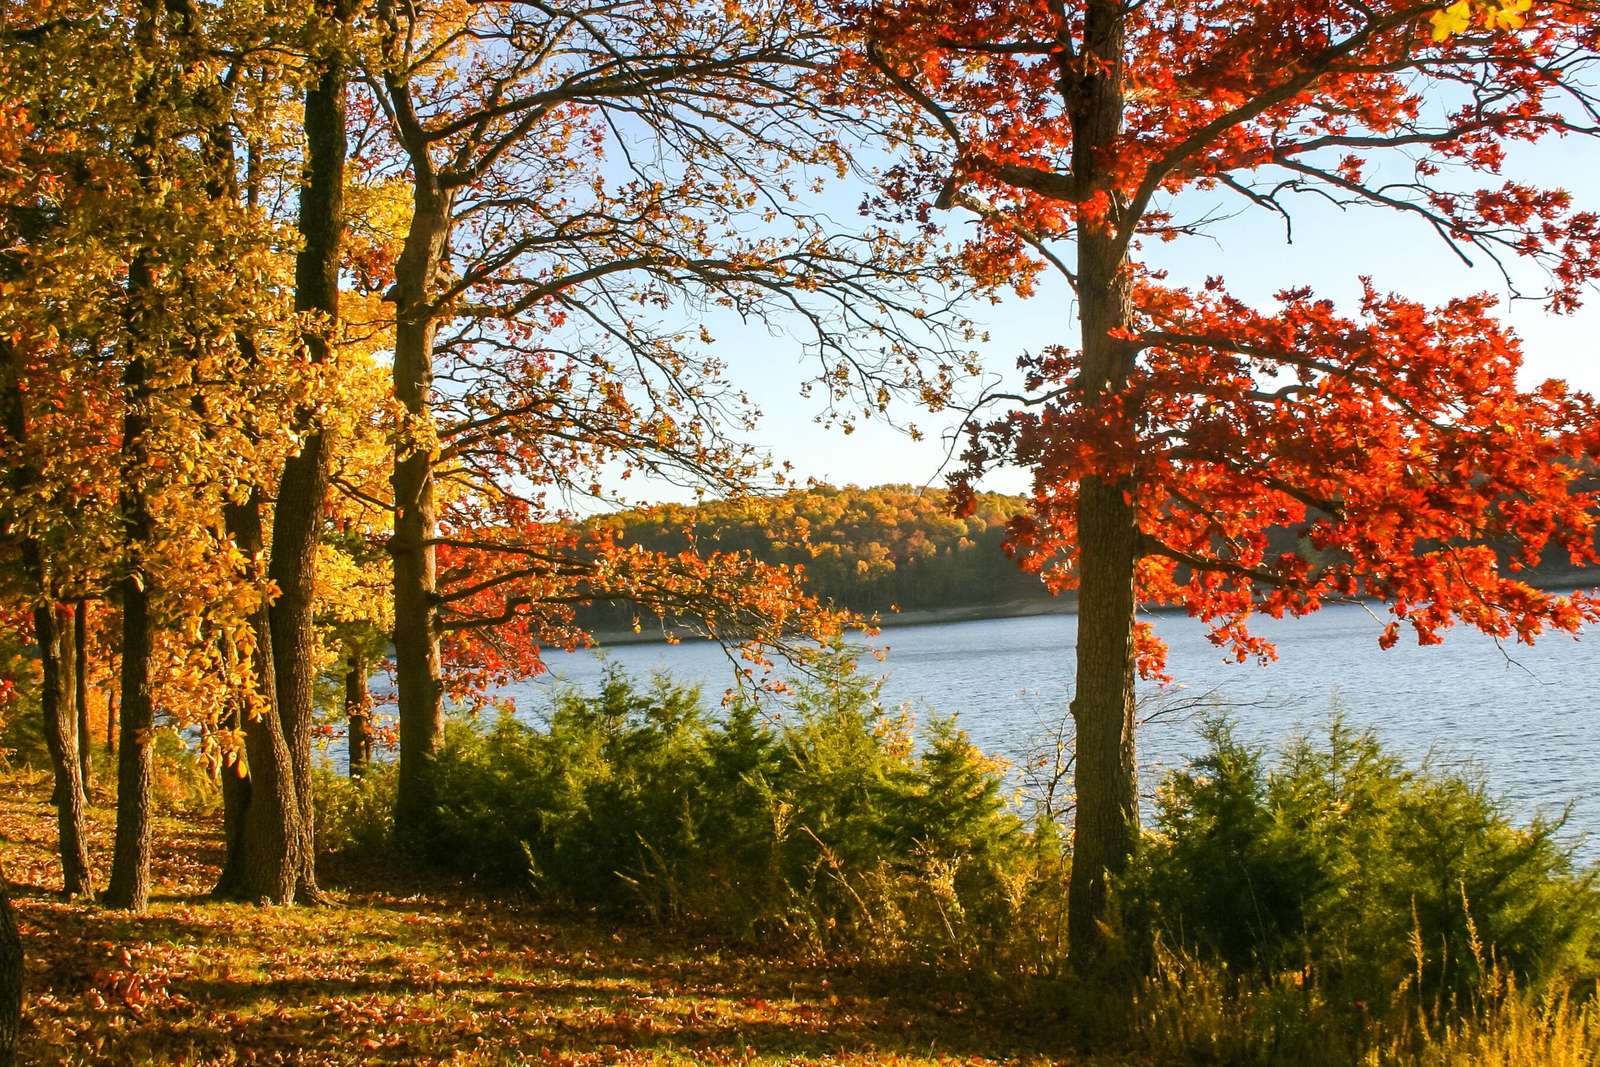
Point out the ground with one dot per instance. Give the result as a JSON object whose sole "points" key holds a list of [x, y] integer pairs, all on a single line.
{"points": [[399, 971]]}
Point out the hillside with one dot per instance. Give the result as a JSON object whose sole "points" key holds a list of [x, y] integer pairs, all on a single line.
{"points": [[892, 550], [885, 549]]}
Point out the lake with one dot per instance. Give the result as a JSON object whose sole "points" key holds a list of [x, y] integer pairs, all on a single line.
{"points": [[1530, 717]]}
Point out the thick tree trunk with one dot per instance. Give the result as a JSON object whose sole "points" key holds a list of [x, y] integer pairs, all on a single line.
{"points": [[130, 869], [262, 818], [11, 975], [130, 861], [297, 518], [1105, 829], [358, 711], [298, 514], [80, 641], [268, 866], [418, 675]]}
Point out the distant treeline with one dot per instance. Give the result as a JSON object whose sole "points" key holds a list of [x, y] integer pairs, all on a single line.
{"points": [[887, 549], [869, 550]]}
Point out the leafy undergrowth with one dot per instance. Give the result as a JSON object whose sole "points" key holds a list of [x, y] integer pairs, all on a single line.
{"points": [[399, 971]]}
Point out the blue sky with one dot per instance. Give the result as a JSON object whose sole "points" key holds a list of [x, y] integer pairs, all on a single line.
{"points": [[1332, 249]]}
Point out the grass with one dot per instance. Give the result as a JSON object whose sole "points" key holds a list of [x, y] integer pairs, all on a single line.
{"points": [[399, 970]]}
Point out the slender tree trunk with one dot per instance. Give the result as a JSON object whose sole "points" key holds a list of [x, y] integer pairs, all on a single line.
{"points": [[11, 975], [358, 710], [418, 674], [80, 641], [111, 719], [60, 706], [53, 630], [1105, 829], [235, 783], [53, 635]]}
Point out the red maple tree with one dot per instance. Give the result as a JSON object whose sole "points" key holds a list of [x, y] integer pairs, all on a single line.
{"points": [[1183, 426]]}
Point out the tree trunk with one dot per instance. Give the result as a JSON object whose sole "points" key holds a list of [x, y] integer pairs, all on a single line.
{"points": [[418, 674], [235, 783], [269, 865], [53, 635], [1105, 829], [130, 862], [111, 720], [297, 518], [358, 710], [53, 630], [11, 974], [80, 641], [262, 820]]}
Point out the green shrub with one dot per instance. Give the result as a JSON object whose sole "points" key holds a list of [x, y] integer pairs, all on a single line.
{"points": [[818, 820], [355, 816], [1343, 863]]}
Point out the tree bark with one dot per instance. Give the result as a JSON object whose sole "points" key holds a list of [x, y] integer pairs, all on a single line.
{"points": [[80, 641], [130, 863], [262, 819], [297, 518], [53, 630], [268, 866], [1105, 829], [235, 783], [358, 711], [53, 634], [11, 975], [418, 672]]}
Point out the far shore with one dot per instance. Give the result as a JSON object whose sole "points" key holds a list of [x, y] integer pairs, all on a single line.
{"points": [[1066, 604], [1015, 609]]}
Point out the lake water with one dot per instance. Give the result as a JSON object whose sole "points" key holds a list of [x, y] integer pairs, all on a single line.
{"points": [[1530, 717]]}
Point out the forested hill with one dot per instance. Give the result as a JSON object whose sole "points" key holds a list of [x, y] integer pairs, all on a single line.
{"points": [[889, 549], [870, 550]]}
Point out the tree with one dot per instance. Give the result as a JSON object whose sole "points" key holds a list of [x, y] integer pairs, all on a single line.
{"points": [[271, 853], [55, 519], [303, 487], [538, 239], [1183, 425], [53, 622], [190, 354]]}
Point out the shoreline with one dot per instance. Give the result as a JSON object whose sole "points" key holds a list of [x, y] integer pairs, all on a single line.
{"points": [[1066, 604], [1015, 609]]}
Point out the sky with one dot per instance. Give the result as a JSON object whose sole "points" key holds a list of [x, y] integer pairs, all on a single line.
{"points": [[1332, 250]]}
